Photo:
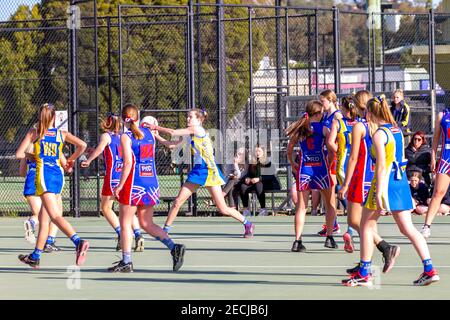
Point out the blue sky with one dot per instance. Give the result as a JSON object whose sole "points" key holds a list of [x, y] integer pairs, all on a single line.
{"points": [[8, 7]]}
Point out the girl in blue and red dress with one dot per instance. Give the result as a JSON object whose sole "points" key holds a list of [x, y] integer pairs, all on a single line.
{"points": [[138, 190], [313, 172], [442, 182], [109, 145]]}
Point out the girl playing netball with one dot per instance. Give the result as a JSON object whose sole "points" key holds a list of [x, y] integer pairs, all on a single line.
{"points": [[109, 145], [389, 192], [331, 112], [138, 190], [310, 134], [205, 171], [48, 143], [358, 178], [442, 182]]}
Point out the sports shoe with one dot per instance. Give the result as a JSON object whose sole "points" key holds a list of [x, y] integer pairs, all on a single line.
{"points": [[249, 230], [50, 247], [426, 231], [348, 243], [246, 213], [178, 256], [297, 246], [357, 280], [118, 246], [330, 243], [323, 232], [263, 212], [82, 249], [29, 232], [139, 244], [389, 258], [354, 269], [26, 258], [427, 278], [122, 267]]}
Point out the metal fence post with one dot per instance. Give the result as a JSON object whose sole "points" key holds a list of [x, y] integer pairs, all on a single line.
{"points": [[73, 107], [108, 26], [432, 62], [221, 78], [191, 82], [279, 59], [97, 164], [337, 53], [250, 62], [316, 47], [374, 54]]}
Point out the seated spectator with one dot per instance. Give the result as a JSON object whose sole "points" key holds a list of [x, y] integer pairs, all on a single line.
{"points": [[419, 192], [260, 176], [418, 155], [233, 173], [401, 111]]}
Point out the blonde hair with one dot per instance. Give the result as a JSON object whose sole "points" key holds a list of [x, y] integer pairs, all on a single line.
{"points": [[46, 117], [379, 108], [130, 114], [398, 91], [111, 123], [302, 127]]}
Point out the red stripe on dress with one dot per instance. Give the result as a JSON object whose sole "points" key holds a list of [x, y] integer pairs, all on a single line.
{"points": [[108, 170]]}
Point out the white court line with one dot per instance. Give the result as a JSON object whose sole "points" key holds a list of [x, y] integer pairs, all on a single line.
{"points": [[215, 267]]}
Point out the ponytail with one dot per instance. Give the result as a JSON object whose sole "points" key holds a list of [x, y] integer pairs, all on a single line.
{"points": [[111, 123], [46, 116], [379, 108], [130, 114], [349, 104], [302, 128]]}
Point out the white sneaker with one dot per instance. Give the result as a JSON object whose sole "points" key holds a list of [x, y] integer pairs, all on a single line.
{"points": [[246, 213], [29, 232], [263, 212], [426, 231]]}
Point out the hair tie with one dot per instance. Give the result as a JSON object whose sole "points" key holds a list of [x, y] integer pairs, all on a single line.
{"points": [[203, 110], [378, 99], [305, 115], [129, 119]]}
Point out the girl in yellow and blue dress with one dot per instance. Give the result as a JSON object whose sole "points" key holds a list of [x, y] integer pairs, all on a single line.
{"points": [[205, 171], [48, 143], [389, 193]]}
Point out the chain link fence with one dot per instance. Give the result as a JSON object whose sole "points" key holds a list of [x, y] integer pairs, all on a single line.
{"points": [[250, 67]]}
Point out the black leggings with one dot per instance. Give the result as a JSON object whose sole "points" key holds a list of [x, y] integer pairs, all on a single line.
{"points": [[259, 188]]}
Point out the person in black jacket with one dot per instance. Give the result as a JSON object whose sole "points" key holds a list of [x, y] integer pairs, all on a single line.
{"points": [[419, 192], [418, 155], [401, 111], [260, 176]]}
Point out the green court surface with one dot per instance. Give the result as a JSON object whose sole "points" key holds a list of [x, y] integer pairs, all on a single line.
{"points": [[219, 264]]}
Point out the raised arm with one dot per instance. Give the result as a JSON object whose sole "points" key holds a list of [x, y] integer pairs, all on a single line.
{"points": [[78, 143], [173, 132], [169, 144], [105, 139]]}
